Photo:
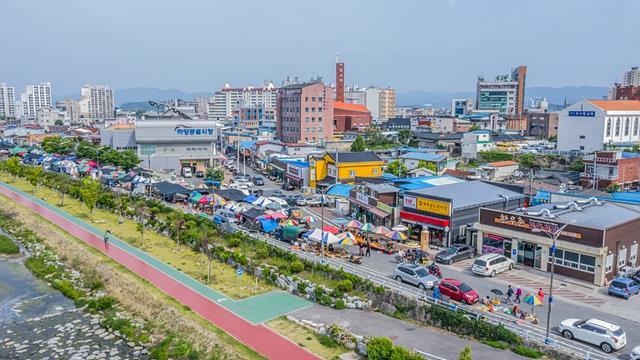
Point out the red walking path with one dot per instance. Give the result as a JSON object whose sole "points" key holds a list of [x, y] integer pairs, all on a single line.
{"points": [[258, 337]]}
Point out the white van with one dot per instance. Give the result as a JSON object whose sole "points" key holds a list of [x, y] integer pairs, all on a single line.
{"points": [[491, 264], [186, 172]]}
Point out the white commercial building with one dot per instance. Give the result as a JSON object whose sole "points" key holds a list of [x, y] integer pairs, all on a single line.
{"points": [[461, 107], [97, 102], [7, 101], [47, 117], [355, 95], [475, 141], [169, 145], [34, 98], [227, 100], [631, 77], [589, 124]]}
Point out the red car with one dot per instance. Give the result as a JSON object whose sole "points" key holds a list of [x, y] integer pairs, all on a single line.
{"points": [[458, 291]]}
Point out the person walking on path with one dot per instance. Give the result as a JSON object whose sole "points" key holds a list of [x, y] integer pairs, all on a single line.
{"points": [[368, 245], [541, 294], [509, 294], [106, 237], [518, 294]]}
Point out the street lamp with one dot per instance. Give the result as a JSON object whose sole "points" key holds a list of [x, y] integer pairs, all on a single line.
{"points": [[322, 193], [554, 237]]}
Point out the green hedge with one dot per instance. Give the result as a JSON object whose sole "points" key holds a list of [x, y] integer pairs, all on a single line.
{"points": [[527, 351], [7, 246]]}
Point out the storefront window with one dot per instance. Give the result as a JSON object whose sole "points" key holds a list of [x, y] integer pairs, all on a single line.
{"points": [[493, 244], [575, 260]]}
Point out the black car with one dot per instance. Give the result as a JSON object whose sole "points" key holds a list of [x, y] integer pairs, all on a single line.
{"points": [[287, 186], [200, 174], [291, 199], [258, 181], [454, 253], [636, 276]]}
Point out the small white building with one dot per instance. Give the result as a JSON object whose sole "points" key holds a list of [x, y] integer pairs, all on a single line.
{"points": [[475, 141], [498, 170], [588, 124]]}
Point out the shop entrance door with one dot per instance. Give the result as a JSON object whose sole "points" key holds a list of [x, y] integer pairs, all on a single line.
{"points": [[527, 254]]}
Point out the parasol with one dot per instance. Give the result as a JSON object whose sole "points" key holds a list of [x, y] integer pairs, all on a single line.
{"points": [[396, 235], [309, 219], [367, 227], [332, 229], [533, 300], [381, 230], [354, 224], [400, 228]]}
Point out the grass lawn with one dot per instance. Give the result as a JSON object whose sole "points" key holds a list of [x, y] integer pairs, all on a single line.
{"points": [[306, 338], [7, 246], [223, 278]]}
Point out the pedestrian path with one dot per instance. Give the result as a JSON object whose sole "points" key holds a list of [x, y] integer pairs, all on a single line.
{"points": [[560, 290], [241, 319]]}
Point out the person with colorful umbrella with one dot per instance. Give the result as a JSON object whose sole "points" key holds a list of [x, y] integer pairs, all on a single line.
{"points": [[533, 300], [353, 224], [309, 219], [397, 236]]}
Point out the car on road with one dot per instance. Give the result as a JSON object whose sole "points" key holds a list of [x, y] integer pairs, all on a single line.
{"points": [[222, 216], [258, 181], [308, 201], [287, 186], [242, 178], [199, 174], [415, 275], [491, 264], [635, 353], [608, 337], [623, 287], [458, 291], [454, 253]]}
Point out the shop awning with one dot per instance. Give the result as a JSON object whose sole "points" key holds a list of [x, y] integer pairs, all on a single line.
{"points": [[427, 220], [372, 209]]}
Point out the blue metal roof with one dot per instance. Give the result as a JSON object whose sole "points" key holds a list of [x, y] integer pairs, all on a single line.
{"points": [[299, 163], [632, 196], [416, 186], [246, 144], [630, 155], [341, 190], [423, 156]]}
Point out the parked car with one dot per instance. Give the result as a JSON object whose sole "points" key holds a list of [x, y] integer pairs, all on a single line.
{"points": [[242, 178], [258, 181], [415, 275], [491, 264], [458, 291], [309, 201], [287, 186], [186, 172], [200, 174], [636, 276], [635, 353], [606, 336], [291, 199], [222, 216], [454, 253], [624, 287]]}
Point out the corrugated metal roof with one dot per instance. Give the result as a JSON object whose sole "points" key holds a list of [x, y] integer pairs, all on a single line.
{"points": [[423, 156], [469, 194]]}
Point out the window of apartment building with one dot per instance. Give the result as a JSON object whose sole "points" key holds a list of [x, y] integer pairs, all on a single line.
{"points": [[633, 256], [306, 98], [320, 119], [313, 129], [306, 130], [320, 109], [313, 98], [313, 109], [610, 171], [617, 126], [306, 109], [609, 265], [320, 98], [582, 136], [608, 127], [306, 119], [352, 173], [319, 129], [575, 260], [313, 119], [622, 257], [581, 147], [626, 127]]}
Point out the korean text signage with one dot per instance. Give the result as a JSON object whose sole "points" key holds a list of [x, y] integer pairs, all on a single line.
{"points": [[384, 207], [433, 206], [293, 170], [528, 224], [582, 113], [409, 202], [362, 197], [190, 131]]}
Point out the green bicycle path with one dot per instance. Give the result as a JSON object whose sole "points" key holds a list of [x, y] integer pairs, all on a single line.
{"points": [[256, 309]]}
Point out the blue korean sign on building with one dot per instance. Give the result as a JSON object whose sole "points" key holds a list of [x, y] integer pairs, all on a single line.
{"points": [[582, 113], [187, 130]]}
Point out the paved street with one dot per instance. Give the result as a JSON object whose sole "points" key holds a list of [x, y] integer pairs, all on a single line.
{"points": [[572, 300]]}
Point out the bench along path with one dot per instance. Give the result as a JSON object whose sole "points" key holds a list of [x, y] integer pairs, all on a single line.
{"points": [[240, 319]]}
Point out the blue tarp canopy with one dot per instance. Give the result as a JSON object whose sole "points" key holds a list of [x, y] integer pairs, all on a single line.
{"points": [[250, 199], [268, 225], [341, 190]]}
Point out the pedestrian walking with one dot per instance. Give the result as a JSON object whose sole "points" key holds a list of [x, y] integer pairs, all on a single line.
{"points": [[106, 237], [541, 294], [368, 245], [510, 293], [518, 294]]}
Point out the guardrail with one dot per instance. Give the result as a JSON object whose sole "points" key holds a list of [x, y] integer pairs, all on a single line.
{"points": [[427, 355]]}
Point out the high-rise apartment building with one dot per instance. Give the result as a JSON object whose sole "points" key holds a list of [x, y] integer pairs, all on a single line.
{"points": [[631, 77], [304, 113], [355, 95], [34, 98], [461, 107], [71, 108], [227, 100], [97, 102], [381, 102], [7, 101], [504, 94]]}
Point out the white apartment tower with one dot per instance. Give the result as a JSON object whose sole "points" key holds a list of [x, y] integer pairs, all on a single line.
{"points": [[381, 102], [7, 101], [226, 100], [34, 98], [97, 102], [631, 77]]}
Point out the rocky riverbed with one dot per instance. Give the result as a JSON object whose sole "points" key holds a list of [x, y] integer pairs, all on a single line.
{"points": [[37, 322]]}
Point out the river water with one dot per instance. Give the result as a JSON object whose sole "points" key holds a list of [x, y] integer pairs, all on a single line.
{"points": [[38, 322]]}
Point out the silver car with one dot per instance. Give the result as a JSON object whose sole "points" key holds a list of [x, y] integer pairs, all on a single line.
{"points": [[415, 275]]}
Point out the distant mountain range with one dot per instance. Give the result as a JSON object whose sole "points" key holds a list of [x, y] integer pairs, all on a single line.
{"points": [[554, 95], [135, 98]]}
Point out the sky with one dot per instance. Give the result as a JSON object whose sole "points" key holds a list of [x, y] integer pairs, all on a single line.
{"points": [[198, 45]]}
